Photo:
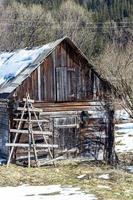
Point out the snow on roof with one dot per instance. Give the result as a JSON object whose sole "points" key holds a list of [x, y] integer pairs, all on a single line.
{"points": [[16, 66], [11, 64]]}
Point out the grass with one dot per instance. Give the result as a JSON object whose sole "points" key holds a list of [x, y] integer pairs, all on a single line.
{"points": [[118, 187]]}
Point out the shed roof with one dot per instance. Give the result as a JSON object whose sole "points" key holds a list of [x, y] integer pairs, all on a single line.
{"points": [[16, 66]]}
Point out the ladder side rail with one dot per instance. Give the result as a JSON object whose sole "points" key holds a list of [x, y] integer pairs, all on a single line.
{"points": [[16, 135], [43, 135], [31, 133]]}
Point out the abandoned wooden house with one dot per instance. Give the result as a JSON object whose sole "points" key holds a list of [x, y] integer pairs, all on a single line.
{"points": [[71, 94]]}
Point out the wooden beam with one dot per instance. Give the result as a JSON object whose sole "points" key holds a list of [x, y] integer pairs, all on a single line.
{"points": [[34, 132], [27, 145], [35, 121], [30, 109], [67, 126]]}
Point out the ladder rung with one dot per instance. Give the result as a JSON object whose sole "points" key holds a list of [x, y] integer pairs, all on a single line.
{"points": [[28, 100], [27, 145], [30, 109], [34, 132], [35, 121]]}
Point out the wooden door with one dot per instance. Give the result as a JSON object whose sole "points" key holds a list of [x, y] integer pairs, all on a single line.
{"points": [[66, 84]]}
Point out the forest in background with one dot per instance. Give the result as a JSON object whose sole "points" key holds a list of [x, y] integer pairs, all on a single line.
{"points": [[102, 29], [105, 20]]}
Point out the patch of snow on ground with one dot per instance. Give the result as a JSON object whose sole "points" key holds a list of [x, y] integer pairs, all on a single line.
{"points": [[124, 126], [121, 115], [104, 176], [51, 192], [2, 161], [104, 187], [81, 176], [130, 169], [124, 137], [124, 131]]}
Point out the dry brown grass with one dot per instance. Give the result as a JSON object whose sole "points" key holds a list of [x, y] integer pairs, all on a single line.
{"points": [[118, 187]]}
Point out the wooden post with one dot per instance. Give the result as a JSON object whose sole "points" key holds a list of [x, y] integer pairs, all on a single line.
{"points": [[53, 136], [110, 139]]}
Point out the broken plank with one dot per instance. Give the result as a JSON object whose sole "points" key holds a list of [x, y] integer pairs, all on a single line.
{"points": [[27, 145], [45, 162]]}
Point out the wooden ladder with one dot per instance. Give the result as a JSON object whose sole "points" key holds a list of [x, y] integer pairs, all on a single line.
{"points": [[31, 143]]}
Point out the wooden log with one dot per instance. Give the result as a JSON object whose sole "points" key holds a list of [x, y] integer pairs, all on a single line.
{"points": [[60, 114], [30, 109], [27, 145], [81, 103], [49, 133]]}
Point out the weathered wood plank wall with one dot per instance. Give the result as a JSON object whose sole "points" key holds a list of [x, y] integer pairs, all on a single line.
{"points": [[63, 76], [66, 83]]}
